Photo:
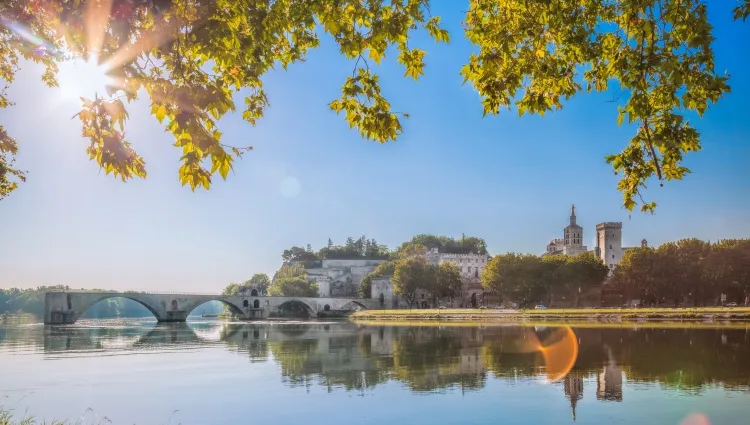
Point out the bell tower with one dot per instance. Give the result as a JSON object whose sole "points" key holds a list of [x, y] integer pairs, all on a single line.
{"points": [[573, 239]]}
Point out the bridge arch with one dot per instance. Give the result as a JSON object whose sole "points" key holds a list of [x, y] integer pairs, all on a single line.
{"points": [[233, 308], [84, 303], [307, 307], [352, 304]]}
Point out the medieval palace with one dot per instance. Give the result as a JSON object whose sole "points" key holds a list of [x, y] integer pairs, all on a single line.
{"points": [[608, 241]]}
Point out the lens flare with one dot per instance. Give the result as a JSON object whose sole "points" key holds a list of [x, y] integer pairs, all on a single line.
{"points": [[559, 349], [560, 355], [696, 419]]}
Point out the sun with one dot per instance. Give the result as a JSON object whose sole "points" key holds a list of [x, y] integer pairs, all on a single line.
{"points": [[83, 78]]}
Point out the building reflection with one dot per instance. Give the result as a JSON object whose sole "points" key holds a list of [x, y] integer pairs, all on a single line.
{"points": [[609, 381], [573, 387]]}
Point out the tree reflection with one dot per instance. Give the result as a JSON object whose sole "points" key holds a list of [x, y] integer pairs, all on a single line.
{"points": [[432, 358]]}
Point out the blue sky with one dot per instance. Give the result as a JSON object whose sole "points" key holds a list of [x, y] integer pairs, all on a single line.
{"points": [[507, 179]]}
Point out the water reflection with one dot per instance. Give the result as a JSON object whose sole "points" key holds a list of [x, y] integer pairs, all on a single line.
{"points": [[586, 364], [428, 358]]}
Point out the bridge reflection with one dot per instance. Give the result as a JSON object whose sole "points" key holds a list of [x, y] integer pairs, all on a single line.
{"points": [[431, 358]]}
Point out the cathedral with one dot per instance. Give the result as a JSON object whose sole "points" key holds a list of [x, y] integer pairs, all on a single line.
{"points": [[608, 241]]}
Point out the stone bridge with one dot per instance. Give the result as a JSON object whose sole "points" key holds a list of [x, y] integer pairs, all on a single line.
{"points": [[66, 307]]}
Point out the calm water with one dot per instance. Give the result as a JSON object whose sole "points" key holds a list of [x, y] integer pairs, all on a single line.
{"points": [[135, 371]]}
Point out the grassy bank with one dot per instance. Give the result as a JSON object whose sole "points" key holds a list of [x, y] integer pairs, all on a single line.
{"points": [[587, 315], [6, 418]]}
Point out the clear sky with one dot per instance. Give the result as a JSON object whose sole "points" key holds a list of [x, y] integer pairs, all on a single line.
{"points": [[507, 179]]}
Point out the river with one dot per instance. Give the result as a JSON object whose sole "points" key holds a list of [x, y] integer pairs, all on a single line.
{"points": [[213, 372]]}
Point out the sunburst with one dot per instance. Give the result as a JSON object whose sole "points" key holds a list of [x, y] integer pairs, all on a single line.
{"points": [[84, 78]]}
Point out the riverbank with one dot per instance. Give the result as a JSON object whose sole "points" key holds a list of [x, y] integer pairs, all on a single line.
{"points": [[583, 315]]}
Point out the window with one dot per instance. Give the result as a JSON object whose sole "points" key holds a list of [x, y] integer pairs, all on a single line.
{"points": [[610, 247], [613, 255], [256, 304], [245, 303]]}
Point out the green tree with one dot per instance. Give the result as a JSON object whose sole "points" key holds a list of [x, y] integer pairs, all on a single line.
{"points": [[413, 274], [557, 277], [382, 270], [517, 277], [354, 249], [190, 57], [691, 259], [587, 272], [408, 249], [657, 54], [291, 281], [297, 253], [448, 279], [687, 271], [232, 289], [729, 265], [666, 273], [260, 281], [298, 286], [465, 245]]}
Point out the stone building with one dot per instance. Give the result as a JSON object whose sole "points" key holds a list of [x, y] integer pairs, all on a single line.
{"points": [[572, 241], [471, 266], [471, 294], [341, 277], [608, 242], [381, 289]]}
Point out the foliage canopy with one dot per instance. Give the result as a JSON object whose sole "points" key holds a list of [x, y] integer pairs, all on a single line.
{"points": [[528, 279], [447, 244], [360, 248], [687, 272], [292, 281], [190, 57]]}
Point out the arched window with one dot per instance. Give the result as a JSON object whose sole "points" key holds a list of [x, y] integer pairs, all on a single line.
{"points": [[256, 304], [245, 303], [327, 307], [254, 293], [174, 305]]}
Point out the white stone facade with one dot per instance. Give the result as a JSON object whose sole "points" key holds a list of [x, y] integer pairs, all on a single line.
{"points": [[381, 289], [341, 277], [471, 294]]}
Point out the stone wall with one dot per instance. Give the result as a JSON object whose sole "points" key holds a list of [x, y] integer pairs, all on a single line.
{"points": [[341, 277]]}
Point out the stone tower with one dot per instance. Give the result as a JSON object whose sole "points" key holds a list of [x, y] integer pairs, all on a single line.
{"points": [[609, 243], [573, 239]]}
